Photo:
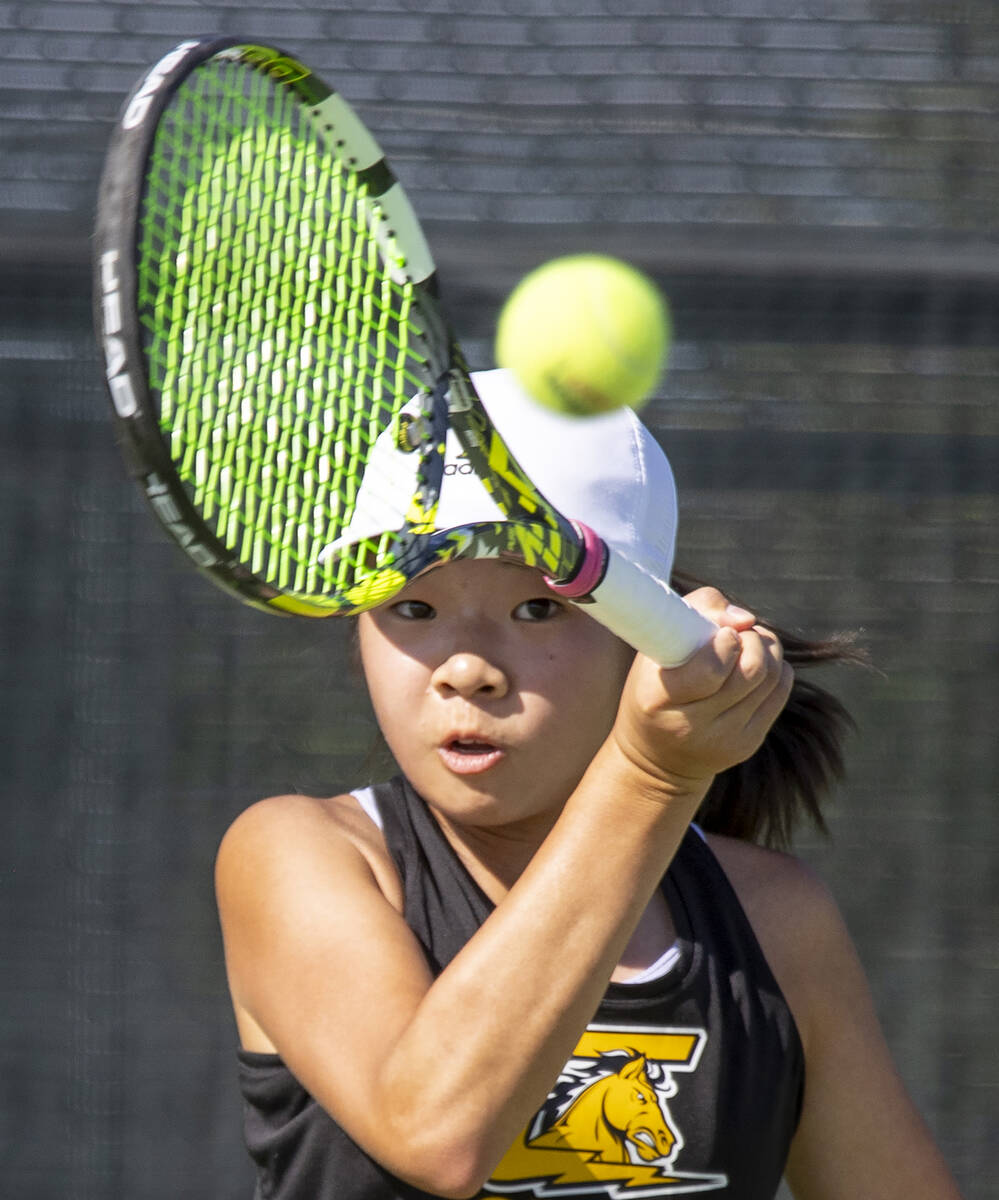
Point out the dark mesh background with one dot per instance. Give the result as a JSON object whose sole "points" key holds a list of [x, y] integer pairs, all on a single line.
{"points": [[815, 186]]}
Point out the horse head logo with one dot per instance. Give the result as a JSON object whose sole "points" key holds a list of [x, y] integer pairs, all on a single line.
{"points": [[614, 1115]]}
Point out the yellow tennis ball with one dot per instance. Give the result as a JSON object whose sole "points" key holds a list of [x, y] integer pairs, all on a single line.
{"points": [[585, 334]]}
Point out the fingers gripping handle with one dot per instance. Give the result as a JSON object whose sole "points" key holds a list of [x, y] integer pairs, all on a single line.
{"points": [[642, 610]]}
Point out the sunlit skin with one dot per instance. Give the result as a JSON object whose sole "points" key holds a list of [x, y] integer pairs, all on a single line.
{"points": [[493, 695], [564, 770]]}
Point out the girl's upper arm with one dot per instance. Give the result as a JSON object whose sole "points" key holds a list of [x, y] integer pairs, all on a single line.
{"points": [[318, 958], [859, 1134]]}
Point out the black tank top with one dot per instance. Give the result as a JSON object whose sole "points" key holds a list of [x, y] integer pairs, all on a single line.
{"points": [[688, 1082]]}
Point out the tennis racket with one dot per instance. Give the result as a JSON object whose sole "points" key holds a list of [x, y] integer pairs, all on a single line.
{"points": [[281, 377]]}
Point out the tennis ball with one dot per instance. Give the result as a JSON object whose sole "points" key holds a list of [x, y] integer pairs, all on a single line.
{"points": [[585, 334]]}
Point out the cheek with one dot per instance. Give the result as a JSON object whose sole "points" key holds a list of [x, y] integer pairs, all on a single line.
{"points": [[600, 665], [392, 678], [570, 725], [588, 681]]}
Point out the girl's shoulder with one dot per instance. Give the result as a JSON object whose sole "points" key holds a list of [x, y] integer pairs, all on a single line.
{"points": [[298, 834], [303, 880], [766, 881], [795, 918]]}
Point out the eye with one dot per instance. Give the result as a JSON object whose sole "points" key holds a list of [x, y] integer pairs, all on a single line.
{"points": [[540, 608], [414, 610]]}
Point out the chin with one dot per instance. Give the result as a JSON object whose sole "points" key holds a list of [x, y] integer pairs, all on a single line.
{"points": [[486, 801]]}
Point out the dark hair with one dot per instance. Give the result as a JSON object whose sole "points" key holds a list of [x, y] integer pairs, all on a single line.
{"points": [[764, 798]]}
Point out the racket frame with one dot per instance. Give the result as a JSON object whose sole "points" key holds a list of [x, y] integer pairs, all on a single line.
{"points": [[575, 562], [142, 443], [118, 334]]}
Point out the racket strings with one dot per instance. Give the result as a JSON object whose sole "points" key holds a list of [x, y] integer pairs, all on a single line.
{"points": [[282, 342]]}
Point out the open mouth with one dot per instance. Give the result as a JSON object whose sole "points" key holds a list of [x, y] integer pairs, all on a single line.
{"points": [[469, 756], [648, 1147]]}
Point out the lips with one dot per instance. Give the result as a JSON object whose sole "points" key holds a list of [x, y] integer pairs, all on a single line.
{"points": [[469, 755]]}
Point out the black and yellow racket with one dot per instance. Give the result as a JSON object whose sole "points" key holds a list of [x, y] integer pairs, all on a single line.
{"points": [[276, 357]]}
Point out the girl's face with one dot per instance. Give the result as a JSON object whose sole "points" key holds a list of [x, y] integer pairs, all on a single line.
{"points": [[492, 693]]}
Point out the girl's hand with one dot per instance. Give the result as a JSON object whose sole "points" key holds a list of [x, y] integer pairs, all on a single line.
{"points": [[682, 726]]}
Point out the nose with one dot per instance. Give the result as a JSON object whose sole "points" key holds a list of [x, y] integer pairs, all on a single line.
{"points": [[469, 675]]}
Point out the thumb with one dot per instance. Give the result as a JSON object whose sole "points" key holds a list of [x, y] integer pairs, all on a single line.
{"points": [[716, 607]]}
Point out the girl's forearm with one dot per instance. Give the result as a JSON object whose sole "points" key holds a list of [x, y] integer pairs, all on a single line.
{"points": [[489, 1038]]}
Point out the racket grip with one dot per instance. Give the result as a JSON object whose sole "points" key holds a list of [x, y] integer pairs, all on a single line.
{"points": [[641, 609]]}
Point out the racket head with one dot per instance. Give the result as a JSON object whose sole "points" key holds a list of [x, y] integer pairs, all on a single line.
{"points": [[266, 306]]}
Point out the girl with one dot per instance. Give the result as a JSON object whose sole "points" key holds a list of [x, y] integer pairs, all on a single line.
{"points": [[518, 969]]}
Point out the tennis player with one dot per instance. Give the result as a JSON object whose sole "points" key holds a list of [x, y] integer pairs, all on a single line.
{"points": [[537, 963]]}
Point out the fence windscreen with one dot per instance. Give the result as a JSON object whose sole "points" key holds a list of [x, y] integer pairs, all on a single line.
{"points": [[816, 193]]}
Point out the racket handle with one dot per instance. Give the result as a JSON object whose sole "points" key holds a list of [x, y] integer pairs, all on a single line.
{"points": [[642, 610]]}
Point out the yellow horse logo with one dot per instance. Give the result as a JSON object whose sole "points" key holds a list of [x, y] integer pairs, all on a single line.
{"points": [[611, 1114], [606, 1129]]}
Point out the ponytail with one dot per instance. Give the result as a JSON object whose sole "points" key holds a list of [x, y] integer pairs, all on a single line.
{"points": [[764, 798]]}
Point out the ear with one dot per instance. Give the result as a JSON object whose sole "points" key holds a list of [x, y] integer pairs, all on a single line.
{"points": [[634, 1069]]}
